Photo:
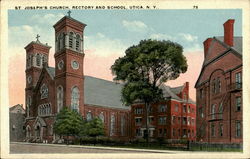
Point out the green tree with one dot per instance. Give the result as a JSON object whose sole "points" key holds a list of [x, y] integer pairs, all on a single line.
{"points": [[68, 123], [95, 127], [145, 67]]}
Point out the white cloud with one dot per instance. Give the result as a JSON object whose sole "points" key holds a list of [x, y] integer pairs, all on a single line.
{"points": [[188, 37], [101, 45], [135, 26], [47, 18], [21, 36], [188, 41], [159, 36]]}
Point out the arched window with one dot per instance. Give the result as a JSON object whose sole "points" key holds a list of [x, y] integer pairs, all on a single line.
{"points": [[75, 99], [101, 116], [44, 91], [78, 39], [89, 116], [28, 105], [71, 37], [213, 111], [59, 98], [38, 60], [57, 43], [30, 60], [61, 41], [123, 125], [112, 125]]}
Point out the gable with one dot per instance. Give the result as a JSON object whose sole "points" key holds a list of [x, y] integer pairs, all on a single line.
{"points": [[44, 78], [216, 48], [225, 62]]}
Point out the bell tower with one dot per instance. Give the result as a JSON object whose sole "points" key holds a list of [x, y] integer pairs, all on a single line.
{"points": [[37, 54], [69, 57]]}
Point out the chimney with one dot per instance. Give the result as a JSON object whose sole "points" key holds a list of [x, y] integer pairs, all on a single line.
{"points": [[206, 44], [229, 32]]}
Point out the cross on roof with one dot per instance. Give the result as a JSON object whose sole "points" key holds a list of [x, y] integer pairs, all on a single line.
{"points": [[37, 37], [69, 13]]}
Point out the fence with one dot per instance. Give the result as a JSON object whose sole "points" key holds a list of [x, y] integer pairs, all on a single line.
{"points": [[197, 146]]}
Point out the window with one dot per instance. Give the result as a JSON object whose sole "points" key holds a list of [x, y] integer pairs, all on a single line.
{"points": [[221, 129], [214, 86], [184, 133], [29, 100], [150, 109], [213, 111], [192, 121], [188, 120], [218, 85], [201, 112], [173, 119], [179, 120], [188, 109], [138, 132], [162, 132], [75, 99], [238, 129], [61, 41], [238, 80], [78, 42], [238, 103], [71, 36], [173, 132], [162, 108], [162, 120], [123, 125], [184, 109], [201, 93], [57, 43], [59, 98], [176, 107], [44, 91], [212, 129], [150, 119], [138, 121], [101, 116], [112, 125], [138, 110], [89, 116], [184, 120], [44, 59], [38, 60], [220, 110]]}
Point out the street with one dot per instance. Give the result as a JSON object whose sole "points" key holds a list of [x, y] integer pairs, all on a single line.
{"points": [[23, 148]]}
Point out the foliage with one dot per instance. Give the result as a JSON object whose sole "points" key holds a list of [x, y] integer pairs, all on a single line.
{"points": [[146, 66], [95, 127], [68, 122]]}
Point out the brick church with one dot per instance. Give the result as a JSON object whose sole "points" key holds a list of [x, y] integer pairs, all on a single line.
{"points": [[49, 89], [219, 89]]}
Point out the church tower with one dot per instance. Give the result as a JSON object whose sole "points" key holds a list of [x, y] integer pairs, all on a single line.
{"points": [[36, 57], [69, 57]]}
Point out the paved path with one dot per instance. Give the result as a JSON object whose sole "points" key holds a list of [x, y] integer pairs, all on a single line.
{"points": [[23, 148]]}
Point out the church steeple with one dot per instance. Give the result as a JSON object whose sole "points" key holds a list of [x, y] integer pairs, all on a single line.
{"points": [[37, 54], [69, 57]]}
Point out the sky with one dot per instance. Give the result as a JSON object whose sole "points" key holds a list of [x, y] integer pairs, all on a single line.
{"points": [[110, 32]]}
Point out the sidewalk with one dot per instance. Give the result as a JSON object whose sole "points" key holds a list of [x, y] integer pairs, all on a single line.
{"points": [[102, 148]]}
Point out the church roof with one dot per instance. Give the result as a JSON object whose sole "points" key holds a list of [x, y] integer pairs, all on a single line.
{"points": [[51, 71], [102, 93]]}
